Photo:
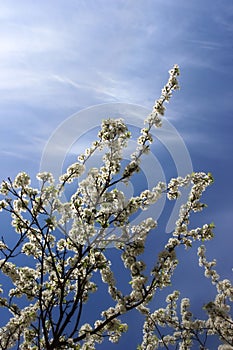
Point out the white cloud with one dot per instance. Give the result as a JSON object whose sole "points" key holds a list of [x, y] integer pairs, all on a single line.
{"points": [[72, 56], [82, 50]]}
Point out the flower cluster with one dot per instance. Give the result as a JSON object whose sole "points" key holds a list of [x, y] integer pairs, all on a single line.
{"points": [[154, 119], [159, 108], [63, 248]]}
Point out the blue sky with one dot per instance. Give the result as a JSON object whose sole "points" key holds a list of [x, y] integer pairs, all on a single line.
{"points": [[60, 57]]}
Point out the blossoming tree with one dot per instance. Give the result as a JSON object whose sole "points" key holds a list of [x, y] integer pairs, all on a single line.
{"points": [[63, 246]]}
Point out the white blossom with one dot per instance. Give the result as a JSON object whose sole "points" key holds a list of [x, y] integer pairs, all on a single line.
{"points": [[63, 244]]}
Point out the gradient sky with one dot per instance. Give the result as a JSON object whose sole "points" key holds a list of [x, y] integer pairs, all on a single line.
{"points": [[59, 57]]}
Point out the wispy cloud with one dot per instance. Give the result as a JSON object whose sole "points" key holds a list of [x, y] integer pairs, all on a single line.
{"points": [[70, 57], [207, 44], [90, 88]]}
